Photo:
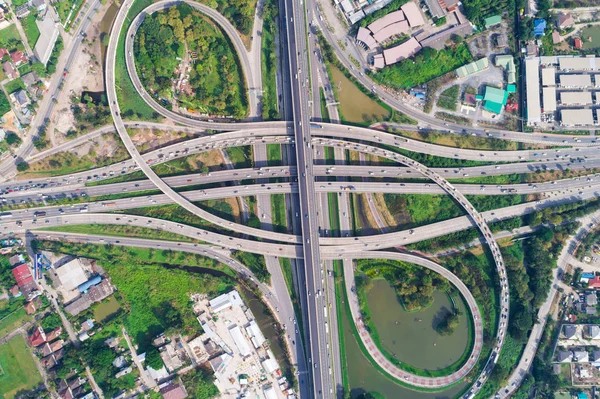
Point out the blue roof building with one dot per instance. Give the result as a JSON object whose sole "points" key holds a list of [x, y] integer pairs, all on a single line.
{"points": [[582, 395], [587, 275], [539, 26], [93, 281]]}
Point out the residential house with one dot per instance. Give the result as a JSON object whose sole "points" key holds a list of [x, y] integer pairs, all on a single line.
{"points": [[594, 282], [15, 292], [20, 98], [29, 79], [577, 43], [39, 5], [591, 299], [569, 331], [3, 52], [173, 391], [38, 337], [500, 40], [52, 335], [556, 37], [9, 70], [30, 308], [564, 20], [16, 260], [22, 11], [18, 57], [596, 356], [581, 357], [593, 331]]}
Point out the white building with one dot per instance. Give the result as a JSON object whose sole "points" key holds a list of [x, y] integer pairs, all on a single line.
{"points": [[226, 301]]}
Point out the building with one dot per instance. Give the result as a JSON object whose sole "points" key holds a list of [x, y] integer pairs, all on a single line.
{"points": [[16, 260], [402, 51], [594, 282], [570, 98], [577, 43], [581, 357], [18, 57], [38, 337], [539, 26], [556, 37], [577, 63], [494, 99], [532, 81], [549, 99], [20, 98], [72, 274], [226, 301], [269, 392], [90, 283], [23, 10], [364, 36], [508, 63], [30, 308], [576, 117], [9, 70], [564, 20], [256, 336], [548, 76], [173, 391], [29, 79], [591, 299], [435, 9], [24, 279], [575, 81], [500, 40], [569, 331], [413, 14], [492, 21], [473, 67], [40, 5], [240, 341], [48, 36]]}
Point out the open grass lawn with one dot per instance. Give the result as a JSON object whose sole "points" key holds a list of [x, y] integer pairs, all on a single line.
{"points": [[9, 33], [274, 154], [241, 157], [31, 29], [426, 65], [4, 104], [122, 231], [12, 321], [18, 368], [279, 219], [593, 33], [106, 308], [448, 98], [14, 85]]}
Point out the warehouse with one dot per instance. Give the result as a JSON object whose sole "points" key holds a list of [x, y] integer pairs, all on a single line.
{"points": [[575, 81], [532, 77], [549, 97], [577, 64], [569, 98], [576, 117], [548, 77], [401, 52]]}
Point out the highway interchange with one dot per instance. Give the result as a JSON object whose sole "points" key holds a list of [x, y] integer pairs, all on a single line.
{"points": [[306, 180]]}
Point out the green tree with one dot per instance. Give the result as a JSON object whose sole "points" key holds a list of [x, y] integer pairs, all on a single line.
{"points": [[153, 358], [22, 166]]}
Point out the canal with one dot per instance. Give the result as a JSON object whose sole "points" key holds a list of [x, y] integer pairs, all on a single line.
{"points": [[410, 336]]}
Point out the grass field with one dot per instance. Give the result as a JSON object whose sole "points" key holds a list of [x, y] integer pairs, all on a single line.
{"points": [[279, 219], [241, 157], [105, 309], [274, 154], [14, 85], [13, 321], [31, 30], [19, 371], [448, 98], [7, 34], [122, 231]]}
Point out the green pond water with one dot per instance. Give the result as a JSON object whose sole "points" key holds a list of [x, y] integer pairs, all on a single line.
{"points": [[413, 344]]}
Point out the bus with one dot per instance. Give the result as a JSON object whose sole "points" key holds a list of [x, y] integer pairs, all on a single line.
{"points": [[39, 213], [5, 215]]}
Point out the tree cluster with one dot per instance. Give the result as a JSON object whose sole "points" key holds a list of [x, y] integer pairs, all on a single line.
{"points": [[163, 40], [449, 323]]}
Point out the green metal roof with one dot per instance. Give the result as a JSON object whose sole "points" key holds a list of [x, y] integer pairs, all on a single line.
{"points": [[493, 20], [495, 95], [478, 97], [491, 106], [511, 88], [473, 67]]}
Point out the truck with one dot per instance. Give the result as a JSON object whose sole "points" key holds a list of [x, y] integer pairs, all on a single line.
{"points": [[39, 213], [83, 209], [109, 204]]}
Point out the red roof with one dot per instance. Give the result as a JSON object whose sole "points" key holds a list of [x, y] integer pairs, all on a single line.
{"points": [[22, 275], [38, 337], [18, 56], [173, 391], [594, 282], [30, 308], [14, 291], [3, 52], [578, 43]]}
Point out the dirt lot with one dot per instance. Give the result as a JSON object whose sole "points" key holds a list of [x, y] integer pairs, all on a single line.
{"points": [[85, 74], [151, 139]]}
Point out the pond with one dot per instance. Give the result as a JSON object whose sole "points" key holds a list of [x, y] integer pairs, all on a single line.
{"points": [[363, 377], [355, 106], [410, 336], [106, 24]]}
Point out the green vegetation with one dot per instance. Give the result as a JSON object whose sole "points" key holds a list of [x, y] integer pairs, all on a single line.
{"points": [[241, 157], [67, 10], [51, 322], [448, 324], [89, 114], [448, 98], [200, 385], [414, 284], [14, 85], [215, 78], [323, 105], [131, 104], [274, 154], [423, 67], [4, 104], [14, 320], [31, 29], [270, 103], [411, 210], [460, 141], [9, 37], [19, 372], [393, 6], [279, 219], [477, 10], [53, 61], [115, 230], [256, 264], [63, 163]]}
